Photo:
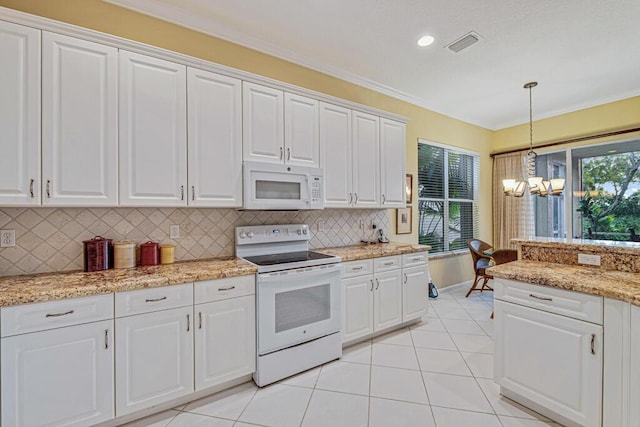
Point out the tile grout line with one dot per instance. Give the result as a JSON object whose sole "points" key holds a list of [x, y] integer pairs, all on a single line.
{"points": [[424, 383]]}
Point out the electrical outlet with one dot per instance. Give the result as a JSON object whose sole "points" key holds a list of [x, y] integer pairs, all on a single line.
{"points": [[320, 225], [7, 238], [174, 232], [589, 259]]}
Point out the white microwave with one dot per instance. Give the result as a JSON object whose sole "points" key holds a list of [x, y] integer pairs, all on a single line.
{"points": [[271, 186]]}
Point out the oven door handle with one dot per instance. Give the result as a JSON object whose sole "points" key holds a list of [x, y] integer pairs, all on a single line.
{"points": [[303, 273]]}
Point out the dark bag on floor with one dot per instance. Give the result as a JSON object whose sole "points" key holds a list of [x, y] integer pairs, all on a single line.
{"points": [[433, 291]]}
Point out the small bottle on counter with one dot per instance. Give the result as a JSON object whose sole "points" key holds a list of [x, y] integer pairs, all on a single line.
{"points": [[167, 254], [124, 254]]}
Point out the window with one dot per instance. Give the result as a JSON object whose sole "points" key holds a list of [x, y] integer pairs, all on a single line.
{"points": [[447, 196], [602, 195]]}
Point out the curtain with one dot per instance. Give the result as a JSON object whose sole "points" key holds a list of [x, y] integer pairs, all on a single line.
{"points": [[513, 217]]}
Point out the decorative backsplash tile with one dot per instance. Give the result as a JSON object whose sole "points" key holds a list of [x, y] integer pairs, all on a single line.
{"points": [[50, 239]]}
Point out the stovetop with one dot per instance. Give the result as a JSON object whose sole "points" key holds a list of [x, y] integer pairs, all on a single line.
{"points": [[287, 258]]}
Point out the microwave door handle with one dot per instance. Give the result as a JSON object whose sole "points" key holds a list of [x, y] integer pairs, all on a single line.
{"points": [[309, 190]]}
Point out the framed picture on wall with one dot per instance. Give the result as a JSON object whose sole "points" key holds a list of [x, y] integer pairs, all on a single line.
{"points": [[403, 220], [409, 187]]}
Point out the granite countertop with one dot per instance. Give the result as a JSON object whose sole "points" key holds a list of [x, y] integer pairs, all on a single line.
{"points": [[619, 285], [25, 289], [15, 290], [377, 250], [601, 246]]}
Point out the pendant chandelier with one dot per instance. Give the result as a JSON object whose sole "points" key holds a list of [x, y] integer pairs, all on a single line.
{"points": [[536, 184]]}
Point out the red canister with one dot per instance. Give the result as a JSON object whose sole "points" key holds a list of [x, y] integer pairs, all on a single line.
{"points": [[97, 254], [150, 253]]}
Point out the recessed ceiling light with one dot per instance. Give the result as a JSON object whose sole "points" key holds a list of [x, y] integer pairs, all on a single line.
{"points": [[426, 40]]}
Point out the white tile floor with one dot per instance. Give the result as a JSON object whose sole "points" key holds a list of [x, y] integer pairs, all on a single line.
{"points": [[435, 373]]}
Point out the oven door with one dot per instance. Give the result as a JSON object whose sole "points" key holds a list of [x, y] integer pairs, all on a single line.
{"points": [[295, 306]]}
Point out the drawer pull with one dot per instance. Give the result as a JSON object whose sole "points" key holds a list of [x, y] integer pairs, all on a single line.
{"points": [[106, 339], [200, 320], [228, 288], [540, 298], [59, 314], [593, 343], [155, 299], [357, 268], [188, 323], [419, 258], [389, 263]]}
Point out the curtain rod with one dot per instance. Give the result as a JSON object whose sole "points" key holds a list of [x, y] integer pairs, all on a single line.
{"points": [[568, 141]]}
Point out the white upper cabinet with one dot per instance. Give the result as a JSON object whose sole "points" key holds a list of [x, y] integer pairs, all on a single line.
{"points": [[20, 117], [263, 123], [301, 135], [79, 122], [153, 137], [336, 155], [392, 163], [215, 139], [366, 164]]}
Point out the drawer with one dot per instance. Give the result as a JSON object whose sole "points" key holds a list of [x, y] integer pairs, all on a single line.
{"points": [[41, 316], [357, 268], [387, 263], [414, 259], [220, 289], [153, 299], [567, 303]]}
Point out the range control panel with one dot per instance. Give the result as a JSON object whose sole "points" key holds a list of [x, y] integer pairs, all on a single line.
{"points": [[251, 235]]}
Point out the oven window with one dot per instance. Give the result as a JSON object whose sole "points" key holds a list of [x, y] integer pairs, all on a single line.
{"points": [[302, 307], [277, 190]]}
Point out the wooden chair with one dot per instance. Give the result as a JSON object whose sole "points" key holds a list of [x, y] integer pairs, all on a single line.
{"points": [[482, 260]]}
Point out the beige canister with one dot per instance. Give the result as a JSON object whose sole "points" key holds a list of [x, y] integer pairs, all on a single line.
{"points": [[167, 254], [124, 254]]}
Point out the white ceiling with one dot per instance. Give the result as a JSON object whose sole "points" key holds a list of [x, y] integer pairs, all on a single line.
{"points": [[582, 52]]}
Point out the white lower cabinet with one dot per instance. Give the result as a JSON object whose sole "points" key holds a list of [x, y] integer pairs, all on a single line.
{"points": [[225, 341], [154, 350], [549, 362], [378, 294], [60, 376]]}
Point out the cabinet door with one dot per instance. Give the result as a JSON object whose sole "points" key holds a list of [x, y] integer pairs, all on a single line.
{"points": [[153, 134], [215, 139], [79, 122], [551, 360], [154, 358], [20, 117], [366, 160], [225, 340], [262, 123], [634, 368], [414, 292], [357, 315], [301, 134], [387, 307], [335, 155], [58, 377], [392, 161]]}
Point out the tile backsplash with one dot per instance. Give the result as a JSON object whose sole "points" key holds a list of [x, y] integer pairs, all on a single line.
{"points": [[50, 239]]}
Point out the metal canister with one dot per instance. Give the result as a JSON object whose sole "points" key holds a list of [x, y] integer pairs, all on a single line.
{"points": [[97, 254], [150, 253]]}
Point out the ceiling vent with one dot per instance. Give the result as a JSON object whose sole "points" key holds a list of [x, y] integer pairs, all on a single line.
{"points": [[464, 42]]}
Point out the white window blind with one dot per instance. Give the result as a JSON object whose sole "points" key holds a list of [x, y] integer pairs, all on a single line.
{"points": [[448, 180]]}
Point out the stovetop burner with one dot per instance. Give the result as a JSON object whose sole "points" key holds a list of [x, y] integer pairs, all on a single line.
{"points": [[286, 258]]}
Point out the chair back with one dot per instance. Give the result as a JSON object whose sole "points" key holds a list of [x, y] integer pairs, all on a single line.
{"points": [[476, 247]]}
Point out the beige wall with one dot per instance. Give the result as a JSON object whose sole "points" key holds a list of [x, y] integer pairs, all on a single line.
{"points": [[624, 114]]}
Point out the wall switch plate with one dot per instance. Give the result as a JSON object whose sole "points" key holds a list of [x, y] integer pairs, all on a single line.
{"points": [[7, 238], [320, 225], [589, 259], [174, 232]]}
